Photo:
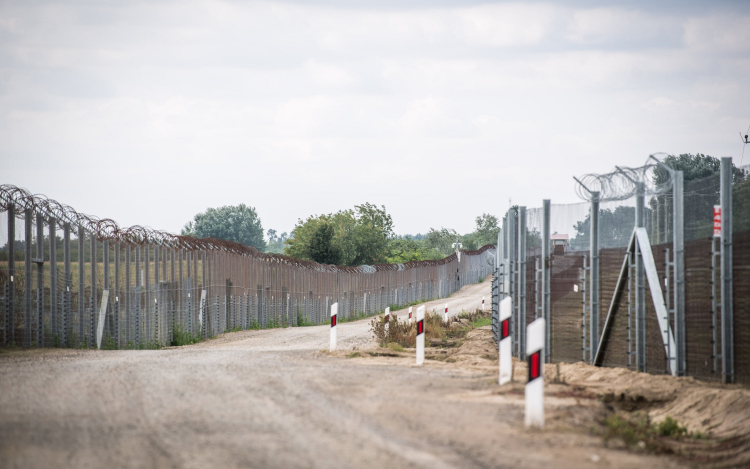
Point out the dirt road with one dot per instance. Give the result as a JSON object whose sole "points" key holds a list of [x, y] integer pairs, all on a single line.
{"points": [[273, 399], [351, 335]]}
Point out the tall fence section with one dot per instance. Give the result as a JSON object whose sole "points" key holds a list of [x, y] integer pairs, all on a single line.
{"points": [[650, 272], [73, 280]]}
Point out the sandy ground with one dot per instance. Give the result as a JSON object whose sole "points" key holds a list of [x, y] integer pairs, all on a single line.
{"points": [[272, 398]]}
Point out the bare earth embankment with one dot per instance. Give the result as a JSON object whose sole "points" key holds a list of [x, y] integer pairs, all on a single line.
{"points": [[275, 398]]}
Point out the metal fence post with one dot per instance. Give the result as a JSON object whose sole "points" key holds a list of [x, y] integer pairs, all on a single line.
{"points": [[27, 281], [640, 280], [92, 309], [138, 297], [40, 277], [147, 318], [105, 281], [594, 269], [522, 280], [512, 251], [678, 239], [156, 321], [9, 323], [546, 277], [128, 298], [67, 313], [116, 288], [727, 284], [81, 286]]}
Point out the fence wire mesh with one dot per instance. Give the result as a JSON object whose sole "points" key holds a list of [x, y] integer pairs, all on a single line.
{"points": [[65, 275], [634, 322]]}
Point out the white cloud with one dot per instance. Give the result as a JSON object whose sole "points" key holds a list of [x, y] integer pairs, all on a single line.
{"points": [[302, 108], [721, 33], [328, 75]]}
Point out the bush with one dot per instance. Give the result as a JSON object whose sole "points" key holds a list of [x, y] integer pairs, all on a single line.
{"points": [[639, 429], [405, 334], [180, 337], [671, 427]]}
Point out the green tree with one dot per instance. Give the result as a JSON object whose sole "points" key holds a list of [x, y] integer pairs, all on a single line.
{"points": [[407, 249], [360, 236], [238, 223], [486, 229], [741, 205], [615, 228], [372, 229], [471, 241], [699, 166], [322, 247], [701, 174], [441, 240], [276, 241]]}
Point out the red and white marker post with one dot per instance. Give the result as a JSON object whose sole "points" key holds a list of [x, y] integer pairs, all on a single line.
{"points": [[420, 335], [535, 384], [717, 221], [410, 314], [387, 316], [482, 303], [445, 314], [334, 317], [505, 348]]}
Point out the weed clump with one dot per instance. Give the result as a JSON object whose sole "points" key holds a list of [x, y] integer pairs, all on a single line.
{"points": [[404, 334], [671, 427], [183, 337], [639, 431]]}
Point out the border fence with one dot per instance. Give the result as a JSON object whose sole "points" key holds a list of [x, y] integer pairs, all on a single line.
{"points": [[74, 280], [650, 272]]}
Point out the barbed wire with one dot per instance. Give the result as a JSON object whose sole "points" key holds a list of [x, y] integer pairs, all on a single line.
{"points": [[621, 184], [107, 229]]}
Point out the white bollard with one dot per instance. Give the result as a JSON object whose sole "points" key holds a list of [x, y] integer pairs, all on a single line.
{"points": [[202, 307], [535, 384], [102, 317], [410, 314], [420, 335], [387, 316], [505, 349], [334, 316], [445, 315], [482, 303]]}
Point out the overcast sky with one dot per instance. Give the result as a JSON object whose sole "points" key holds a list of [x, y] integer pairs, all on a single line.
{"points": [[148, 112]]}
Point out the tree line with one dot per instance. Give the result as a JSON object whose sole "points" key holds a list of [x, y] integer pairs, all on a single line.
{"points": [[360, 235]]}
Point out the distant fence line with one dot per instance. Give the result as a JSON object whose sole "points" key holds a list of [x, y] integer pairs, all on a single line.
{"points": [[136, 285]]}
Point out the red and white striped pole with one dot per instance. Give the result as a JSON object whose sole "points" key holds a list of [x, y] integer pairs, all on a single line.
{"points": [[334, 316], [505, 348], [420, 335], [445, 314], [535, 384]]}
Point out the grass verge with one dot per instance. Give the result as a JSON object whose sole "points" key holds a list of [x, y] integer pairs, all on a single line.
{"points": [[404, 334]]}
